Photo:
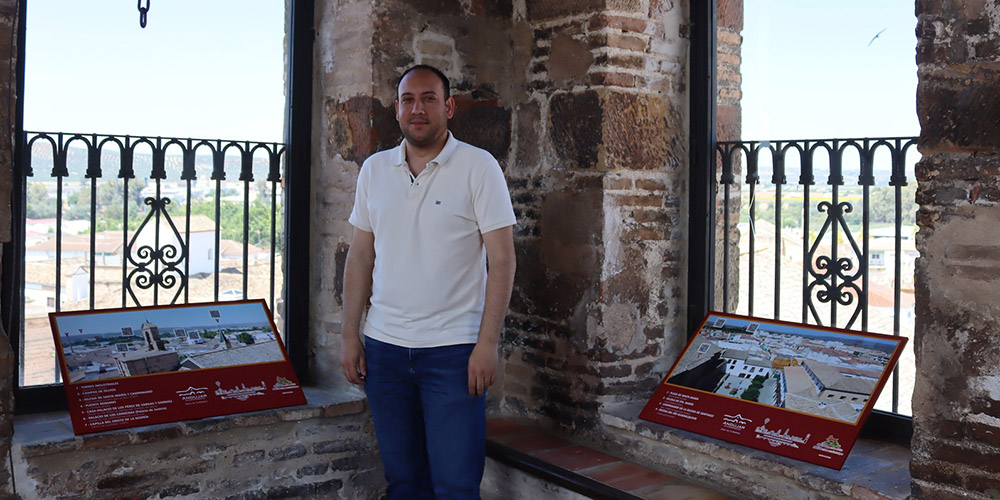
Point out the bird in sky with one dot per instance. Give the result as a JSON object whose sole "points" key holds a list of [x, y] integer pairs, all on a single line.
{"points": [[876, 36]]}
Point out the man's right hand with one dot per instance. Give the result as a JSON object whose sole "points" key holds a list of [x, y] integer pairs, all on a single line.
{"points": [[352, 359]]}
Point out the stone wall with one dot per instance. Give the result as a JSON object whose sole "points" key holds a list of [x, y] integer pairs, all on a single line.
{"points": [[599, 191], [8, 20], [956, 401], [321, 451], [584, 103]]}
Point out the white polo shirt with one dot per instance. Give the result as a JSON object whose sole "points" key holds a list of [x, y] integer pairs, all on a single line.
{"points": [[429, 281]]}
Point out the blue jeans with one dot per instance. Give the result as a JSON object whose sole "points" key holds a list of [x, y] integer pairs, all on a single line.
{"points": [[431, 433]]}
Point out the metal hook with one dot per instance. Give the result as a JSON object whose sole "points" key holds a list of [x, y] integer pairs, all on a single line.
{"points": [[142, 13]]}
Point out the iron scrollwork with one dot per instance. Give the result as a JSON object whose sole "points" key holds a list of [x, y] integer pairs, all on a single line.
{"points": [[157, 265], [835, 278]]}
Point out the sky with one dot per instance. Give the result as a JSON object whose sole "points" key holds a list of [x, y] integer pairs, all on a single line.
{"points": [[200, 68], [809, 71], [214, 69]]}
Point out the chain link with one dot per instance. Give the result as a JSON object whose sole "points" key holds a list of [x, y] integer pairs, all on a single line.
{"points": [[142, 13]]}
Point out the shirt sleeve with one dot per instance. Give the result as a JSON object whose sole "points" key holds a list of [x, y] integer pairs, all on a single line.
{"points": [[360, 217], [492, 199]]}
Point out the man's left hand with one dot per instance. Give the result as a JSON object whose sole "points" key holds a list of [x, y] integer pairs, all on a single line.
{"points": [[482, 368]]}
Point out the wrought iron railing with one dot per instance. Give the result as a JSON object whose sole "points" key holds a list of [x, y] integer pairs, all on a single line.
{"points": [[849, 208], [118, 221]]}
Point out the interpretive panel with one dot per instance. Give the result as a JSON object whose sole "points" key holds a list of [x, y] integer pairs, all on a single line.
{"points": [[149, 365], [797, 390]]}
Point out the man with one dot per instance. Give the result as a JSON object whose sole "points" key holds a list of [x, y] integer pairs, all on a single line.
{"points": [[427, 217]]}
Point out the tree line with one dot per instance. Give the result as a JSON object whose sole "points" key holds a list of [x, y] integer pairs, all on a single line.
{"points": [[110, 210]]}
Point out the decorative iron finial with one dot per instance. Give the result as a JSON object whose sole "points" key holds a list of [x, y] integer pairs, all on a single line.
{"points": [[142, 13]]}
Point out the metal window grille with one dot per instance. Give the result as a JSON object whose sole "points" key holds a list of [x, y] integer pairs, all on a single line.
{"points": [[119, 221], [833, 247]]}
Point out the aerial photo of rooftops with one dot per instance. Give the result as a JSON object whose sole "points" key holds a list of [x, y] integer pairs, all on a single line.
{"points": [[820, 372], [125, 343]]}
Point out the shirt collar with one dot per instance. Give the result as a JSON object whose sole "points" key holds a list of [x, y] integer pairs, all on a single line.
{"points": [[399, 157]]}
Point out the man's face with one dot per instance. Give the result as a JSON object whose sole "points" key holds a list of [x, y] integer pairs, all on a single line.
{"points": [[421, 108]]}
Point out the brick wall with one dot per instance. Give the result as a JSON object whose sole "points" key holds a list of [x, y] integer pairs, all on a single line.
{"points": [[729, 124], [956, 402], [314, 452]]}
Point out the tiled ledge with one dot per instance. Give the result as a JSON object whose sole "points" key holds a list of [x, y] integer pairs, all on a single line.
{"points": [[873, 470], [51, 433], [583, 469]]}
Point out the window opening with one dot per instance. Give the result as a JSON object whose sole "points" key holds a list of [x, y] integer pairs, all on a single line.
{"points": [[114, 218]]}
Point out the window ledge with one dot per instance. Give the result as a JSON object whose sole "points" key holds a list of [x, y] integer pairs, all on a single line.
{"points": [[873, 469], [43, 434]]}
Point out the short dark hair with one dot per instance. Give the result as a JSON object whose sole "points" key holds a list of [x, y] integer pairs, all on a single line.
{"points": [[432, 69]]}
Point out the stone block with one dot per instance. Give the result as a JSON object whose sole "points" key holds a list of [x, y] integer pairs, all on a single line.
{"points": [[295, 414], [531, 132], [984, 483], [204, 426], [630, 6], [156, 433], [339, 446], [984, 405], [201, 467], [100, 440], [434, 7], [540, 10], [937, 491], [248, 457], [650, 185], [957, 109], [618, 183], [569, 61], [612, 79], [349, 408], [978, 457], [361, 126], [503, 9], [312, 470], [255, 419], [638, 200], [729, 122], [116, 482], [626, 62], [984, 433], [558, 271], [730, 14], [647, 216], [628, 286], [297, 450], [636, 132], [575, 128], [625, 24], [627, 41], [728, 41], [483, 123], [356, 462], [176, 490]]}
